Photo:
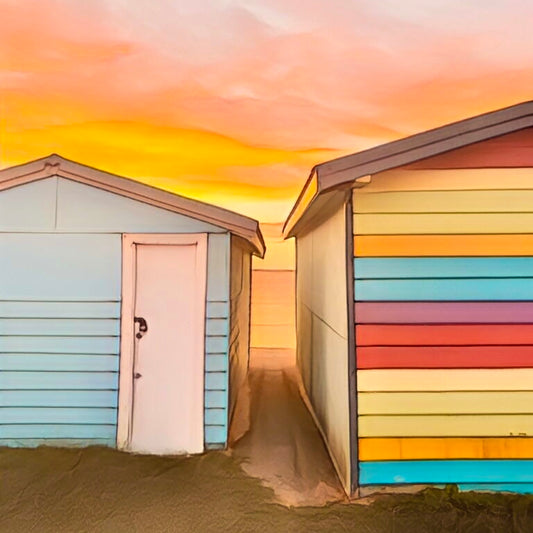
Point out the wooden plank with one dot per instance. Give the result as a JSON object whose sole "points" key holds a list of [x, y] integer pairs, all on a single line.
{"points": [[446, 426], [81, 345], [444, 403], [67, 443], [84, 208], [393, 449], [403, 179], [493, 201], [445, 357], [506, 379], [216, 344], [443, 267], [498, 289], [443, 334], [217, 326], [57, 431], [29, 309], [57, 415], [443, 312], [216, 398], [215, 434], [29, 207], [58, 398], [55, 266], [215, 416], [216, 381], [497, 471], [216, 363], [442, 245], [438, 223], [59, 363], [58, 380], [217, 310], [59, 326], [218, 277]]}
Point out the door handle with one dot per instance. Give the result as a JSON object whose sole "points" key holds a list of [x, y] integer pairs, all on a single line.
{"points": [[143, 326]]}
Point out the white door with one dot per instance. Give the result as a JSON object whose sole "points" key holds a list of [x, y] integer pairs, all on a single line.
{"points": [[167, 407]]}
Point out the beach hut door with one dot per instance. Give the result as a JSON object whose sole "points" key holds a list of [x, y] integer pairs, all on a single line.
{"points": [[166, 412]]}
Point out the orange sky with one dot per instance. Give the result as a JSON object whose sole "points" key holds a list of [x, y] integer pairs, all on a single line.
{"points": [[233, 101]]}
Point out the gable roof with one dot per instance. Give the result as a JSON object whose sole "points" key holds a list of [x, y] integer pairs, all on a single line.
{"points": [[344, 172], [55, 165]]}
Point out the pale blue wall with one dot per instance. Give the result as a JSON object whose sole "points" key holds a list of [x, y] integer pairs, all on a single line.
{"points": [[60, 290]]}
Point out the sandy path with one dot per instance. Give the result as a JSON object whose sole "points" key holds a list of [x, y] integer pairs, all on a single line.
{"points": [[283, 447]]}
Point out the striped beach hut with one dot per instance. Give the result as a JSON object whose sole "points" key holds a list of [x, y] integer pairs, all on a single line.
{"points": [[415, 306], [124, 311]]}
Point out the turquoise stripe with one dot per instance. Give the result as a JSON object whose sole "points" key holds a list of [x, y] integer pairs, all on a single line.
{"points": [[443, 267], [57, 431], [217, 310], [214, 398], [215, 417], [57, 415], [34, 442], [445, 290], [216, 362], [215, 434], [452, 471], [42, 344], [59, 326], [217, 326], [215, 381], [28, 309], [58, 398], [63, 362], [58, 380], [216, 345]]}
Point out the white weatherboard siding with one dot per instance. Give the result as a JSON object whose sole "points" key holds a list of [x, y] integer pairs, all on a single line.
{"points": [[322, 324]]}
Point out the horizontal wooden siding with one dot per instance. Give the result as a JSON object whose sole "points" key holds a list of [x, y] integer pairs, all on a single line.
{"points": [[444, 334]]}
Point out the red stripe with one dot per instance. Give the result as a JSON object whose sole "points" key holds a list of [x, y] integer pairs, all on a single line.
{"points": [[445, 357], [443, 335]]}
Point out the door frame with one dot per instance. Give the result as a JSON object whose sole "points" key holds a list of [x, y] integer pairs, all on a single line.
{"points": [[127, 330]]}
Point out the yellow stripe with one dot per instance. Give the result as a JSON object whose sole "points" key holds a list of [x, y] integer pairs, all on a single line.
{"points": [[435, 403], [446, 426], [442, 245], [392, 449], [495, 201], [449, 180], [436, 223], [469, 379]]}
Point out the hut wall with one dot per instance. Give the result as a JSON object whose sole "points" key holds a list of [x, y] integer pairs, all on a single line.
{"points": [[322, 332], [60, 297], [444, 323], [239, 336]]}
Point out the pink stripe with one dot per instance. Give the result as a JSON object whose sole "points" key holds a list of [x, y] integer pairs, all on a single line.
{"points": [[443, 312]]}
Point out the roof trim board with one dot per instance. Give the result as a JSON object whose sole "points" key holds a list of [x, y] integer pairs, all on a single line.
{"points": [[351, 170], [55, 165]]}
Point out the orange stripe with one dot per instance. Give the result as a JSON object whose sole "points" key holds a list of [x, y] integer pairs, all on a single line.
{"points": [[390, 449], [442, 245]]}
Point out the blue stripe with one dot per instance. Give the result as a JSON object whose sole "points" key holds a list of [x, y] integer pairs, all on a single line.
{"points": [[445, 290], [59, 398], [33, 442], [521, 488], [446, 471], [215, 381], [57, 415], [214, 398], [443, 267], [57, 431], [62, 362], [215, 434], [58, 380], [40, 344]]}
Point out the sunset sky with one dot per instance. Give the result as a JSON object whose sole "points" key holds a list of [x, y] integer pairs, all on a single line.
{"points": [[233, 101]]}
